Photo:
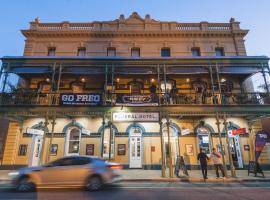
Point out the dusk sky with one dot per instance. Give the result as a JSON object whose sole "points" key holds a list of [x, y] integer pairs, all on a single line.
{"points": [[16, 15]]}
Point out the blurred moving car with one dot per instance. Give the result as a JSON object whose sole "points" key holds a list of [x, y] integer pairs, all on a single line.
{"points": [[72, 171]]}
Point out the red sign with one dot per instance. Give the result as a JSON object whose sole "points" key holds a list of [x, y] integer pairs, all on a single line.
{"points": [[239, 131]]}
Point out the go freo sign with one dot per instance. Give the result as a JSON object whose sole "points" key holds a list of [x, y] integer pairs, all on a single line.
{"points": [[90, 99]]}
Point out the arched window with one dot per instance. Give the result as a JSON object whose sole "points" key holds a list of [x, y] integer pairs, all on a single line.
{"points": [[73, 139]]}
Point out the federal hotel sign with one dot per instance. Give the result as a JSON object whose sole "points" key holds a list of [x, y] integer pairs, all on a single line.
{"points": [[135, 116]]}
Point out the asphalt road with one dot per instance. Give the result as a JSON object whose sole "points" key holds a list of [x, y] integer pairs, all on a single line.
{"points": [[151, 191]]}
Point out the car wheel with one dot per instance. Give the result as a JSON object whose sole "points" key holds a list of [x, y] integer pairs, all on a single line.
{"points": [[25, 185], [94, 183]]}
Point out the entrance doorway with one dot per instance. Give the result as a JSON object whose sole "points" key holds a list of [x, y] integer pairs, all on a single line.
{"points": [[174, 144], [236, 151], [37, 141], [135, 147]]}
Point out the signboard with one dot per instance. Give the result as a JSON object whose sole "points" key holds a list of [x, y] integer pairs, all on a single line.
{"points": [[136, 117], [180, 164], [239, 131], [185, 131], [85, 131], [136, 100], [33, 131], [121, 150], [90, 149], [260, 141], [89, 99]]}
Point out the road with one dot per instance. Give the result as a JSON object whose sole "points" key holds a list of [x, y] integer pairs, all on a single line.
{"points": [[151, 191]]}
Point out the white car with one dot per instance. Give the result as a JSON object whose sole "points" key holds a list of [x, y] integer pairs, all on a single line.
{"points": [[72, 171]]}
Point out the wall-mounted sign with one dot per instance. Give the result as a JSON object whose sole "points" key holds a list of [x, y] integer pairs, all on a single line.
{"points": [[86, 132], [80, 99], [239, 131], [246, 147], [90, 149], [54, 149], [136, 117], [185, 131], [121, 150], [33, 131], [136, 100]]}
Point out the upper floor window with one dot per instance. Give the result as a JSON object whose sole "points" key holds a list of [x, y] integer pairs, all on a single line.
{"points": [[165, 52], [219, 51], [51, 51], [81, 51], [135, 52], [111, 52], [195, 51]]}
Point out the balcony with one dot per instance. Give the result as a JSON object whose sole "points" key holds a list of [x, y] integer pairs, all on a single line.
{"points": [[32, 98]]}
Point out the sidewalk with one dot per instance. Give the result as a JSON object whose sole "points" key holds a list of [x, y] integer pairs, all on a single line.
{"points": [[194, 176]]}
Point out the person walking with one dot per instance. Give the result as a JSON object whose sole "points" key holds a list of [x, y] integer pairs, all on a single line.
{"points": [[202, 157], [216, 157]]}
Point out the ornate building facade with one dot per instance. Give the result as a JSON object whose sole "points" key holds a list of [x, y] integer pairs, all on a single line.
{"points": [[133, 90]]}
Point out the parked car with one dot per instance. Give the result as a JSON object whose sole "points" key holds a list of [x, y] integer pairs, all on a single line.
{"points": [[71, 171]]}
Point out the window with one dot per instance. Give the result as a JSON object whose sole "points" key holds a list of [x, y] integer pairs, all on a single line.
{"points": [[111, 52], [108, 138], [220, 51], [77, 86], [22, 150], [135, 52], [195, 51], [51, 51], [81, 51], [73, 141], [165, 52]]}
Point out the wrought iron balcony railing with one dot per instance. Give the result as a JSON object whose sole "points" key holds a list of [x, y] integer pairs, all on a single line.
{"points": [[113, 99]]}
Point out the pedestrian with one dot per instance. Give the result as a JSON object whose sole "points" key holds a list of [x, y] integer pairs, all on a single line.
{"points": [[216, 157], [202, 157]]}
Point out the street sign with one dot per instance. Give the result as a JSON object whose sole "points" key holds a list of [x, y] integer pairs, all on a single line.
{"points": [[33, 131]]}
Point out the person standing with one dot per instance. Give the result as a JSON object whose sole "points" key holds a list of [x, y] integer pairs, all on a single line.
{"points": [[216, 157], [202, 157]]}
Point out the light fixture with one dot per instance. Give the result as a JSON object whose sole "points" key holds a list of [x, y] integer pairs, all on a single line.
{"points": [[187, 80], [83, 79], [152, 80], [223, 80], [47, 80], [118, 79]]}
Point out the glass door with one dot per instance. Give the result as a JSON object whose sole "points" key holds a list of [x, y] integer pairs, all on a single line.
{"points": [[135, 152]]}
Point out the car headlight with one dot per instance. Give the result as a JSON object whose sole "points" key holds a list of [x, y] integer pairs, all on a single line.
{"points": [[16, 173]]}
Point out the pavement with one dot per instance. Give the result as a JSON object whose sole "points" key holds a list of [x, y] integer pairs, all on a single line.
{"points": [[195, 176]]}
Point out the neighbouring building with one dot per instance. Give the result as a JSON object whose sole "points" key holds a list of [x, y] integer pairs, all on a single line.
{"points": [[134, 90]]}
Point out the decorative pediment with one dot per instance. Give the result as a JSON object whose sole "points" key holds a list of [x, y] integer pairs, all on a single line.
{"points": [[135, 18]]}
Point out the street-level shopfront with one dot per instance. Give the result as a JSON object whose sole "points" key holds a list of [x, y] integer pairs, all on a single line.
{"points": [[130, 138]]}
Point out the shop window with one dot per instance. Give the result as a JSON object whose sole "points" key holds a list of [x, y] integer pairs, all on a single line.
{"points": [[165, 52], [219, 51], [44, 86], [22, 150], [109, 137], [195, 51], [81, 51], [135, 52], [51, 51], [169, 85], [111, 52], [73, 141]]}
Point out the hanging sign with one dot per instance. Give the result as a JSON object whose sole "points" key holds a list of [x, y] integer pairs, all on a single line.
{"points": [[185, 131], [239, 131], [260, 141], [136, 100], [136, 116], [89, 99], [33, 131]]}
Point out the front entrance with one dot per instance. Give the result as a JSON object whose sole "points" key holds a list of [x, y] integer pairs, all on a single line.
{"points": [[36, 150], [236, 151], [135, 148]]}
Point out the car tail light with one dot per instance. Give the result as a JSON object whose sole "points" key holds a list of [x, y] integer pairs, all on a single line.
{"points": [[115, 166]]}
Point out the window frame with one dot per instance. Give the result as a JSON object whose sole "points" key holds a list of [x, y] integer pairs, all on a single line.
{"points": [[111, 49], [220, 50], [51, 49], [81, 49], [197, 50], [165, 49], [137, 50]]}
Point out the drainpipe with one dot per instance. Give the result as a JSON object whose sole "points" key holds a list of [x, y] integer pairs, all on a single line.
{"points": [[162, 147], [221, 145]]}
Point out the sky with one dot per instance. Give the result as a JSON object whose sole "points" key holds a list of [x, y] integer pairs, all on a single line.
{"points": [[16, 15]]}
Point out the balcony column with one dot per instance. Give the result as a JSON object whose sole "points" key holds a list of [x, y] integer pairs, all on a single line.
{"points": [[59, 78], [169, 146], [159, 90], [110, 140], [212, 82], [229, 148], [165, 84], [113, 91], [102, 136], [264, 78], [163, 174], [5, 78], [50, 96], [51, 138], [46, 123], [251, 142], [1, 72], [219, 85], [221, 145], [106, 85]]}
